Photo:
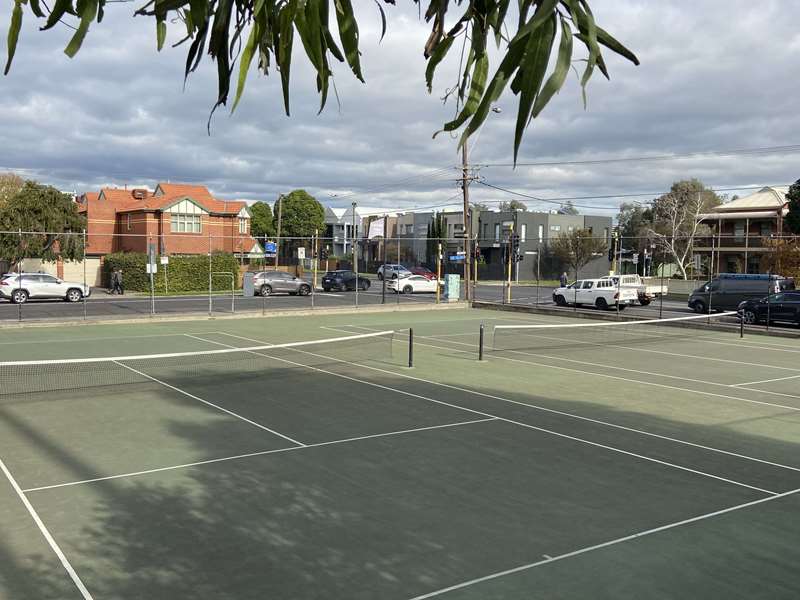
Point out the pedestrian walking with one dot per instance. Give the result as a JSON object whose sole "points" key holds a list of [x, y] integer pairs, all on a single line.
{"points": [[112, 282], [563, 279], [120, 287]]}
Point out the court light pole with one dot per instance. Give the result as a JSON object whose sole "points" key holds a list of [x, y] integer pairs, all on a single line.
{"points": [[353, 244]]}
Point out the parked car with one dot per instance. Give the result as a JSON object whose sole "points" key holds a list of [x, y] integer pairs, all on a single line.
{"points": [[601, 293], [19, 287], [393, 271], [424, 271], [341, 281], [646, 289], [728, 290], [270, 282], [783, 307], [413, 284]]}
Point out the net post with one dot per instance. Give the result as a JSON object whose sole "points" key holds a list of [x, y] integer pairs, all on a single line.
{"points": [[410, 347], [480, 343]]}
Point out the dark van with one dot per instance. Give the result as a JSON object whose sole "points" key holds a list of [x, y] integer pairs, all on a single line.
{"points": [[726, 291]]}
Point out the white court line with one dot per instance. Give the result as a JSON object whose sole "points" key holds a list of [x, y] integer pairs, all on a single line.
{"points": [[46, 534], [567, 414], [499, 418], [606, 375], [252, 454], [113, 339], [225, 410], [613, 542], [693, 356], [766, 380]]}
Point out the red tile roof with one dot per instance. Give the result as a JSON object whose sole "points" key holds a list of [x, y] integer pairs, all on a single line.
{"points": [[166, 194]]}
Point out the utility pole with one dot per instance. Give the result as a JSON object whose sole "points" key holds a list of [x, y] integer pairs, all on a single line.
{"points": [[278, 237], [467, 226], [353, 243]]}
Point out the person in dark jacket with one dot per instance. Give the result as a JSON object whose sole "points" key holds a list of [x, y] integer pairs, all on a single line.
{"points": [[120, 289], [563, 280]]}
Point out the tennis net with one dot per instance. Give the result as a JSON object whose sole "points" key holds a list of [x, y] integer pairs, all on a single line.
{"points": [[225, 364], [573, 336]]}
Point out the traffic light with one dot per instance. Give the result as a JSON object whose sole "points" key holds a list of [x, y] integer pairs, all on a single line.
{"points": [[515, 243]]}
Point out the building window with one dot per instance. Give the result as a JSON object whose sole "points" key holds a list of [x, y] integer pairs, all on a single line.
{"points": [[180, 223], [497, 232], [555, 227], [242, 225], [541, 233], [128, 225], [738, 230], [766, 228], [570, 228], [523, 232]]}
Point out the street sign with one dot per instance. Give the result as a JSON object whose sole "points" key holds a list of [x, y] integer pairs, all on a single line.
{"points": [[531, 252], [270, 247], [165, 260], [301, 253], [635, 258], [456, 257], [151, 268]]}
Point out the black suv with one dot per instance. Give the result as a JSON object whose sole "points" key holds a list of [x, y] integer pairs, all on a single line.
{"points": [[343, 280], [784, 306]]}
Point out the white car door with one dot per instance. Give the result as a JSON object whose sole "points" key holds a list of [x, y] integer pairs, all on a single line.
{"points": [[51, 287], [586, 294]]}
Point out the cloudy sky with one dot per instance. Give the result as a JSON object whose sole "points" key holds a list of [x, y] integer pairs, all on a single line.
{"points": [[716, 75]]}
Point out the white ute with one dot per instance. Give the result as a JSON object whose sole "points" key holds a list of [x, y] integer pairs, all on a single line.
{"points": [[601, 293], [646, 291]]}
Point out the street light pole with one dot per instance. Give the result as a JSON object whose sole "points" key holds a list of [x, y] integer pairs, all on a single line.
{"points": [[278, 237], [467, 225], [353, 244]]}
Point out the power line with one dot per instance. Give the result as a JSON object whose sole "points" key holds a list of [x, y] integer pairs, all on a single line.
{"points": [[789, 149], [564, 199], [381, 187]]}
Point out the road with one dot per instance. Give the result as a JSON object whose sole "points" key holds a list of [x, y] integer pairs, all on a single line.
{"points": [[101, 305]]}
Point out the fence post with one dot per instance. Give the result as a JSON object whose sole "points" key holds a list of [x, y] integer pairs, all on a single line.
{"points": [[480, 344], [410, 347], [85, 287]]}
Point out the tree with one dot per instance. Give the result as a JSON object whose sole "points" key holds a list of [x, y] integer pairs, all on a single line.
{"points": [[676, 221], [568, 209], [301, 214], [792, 220], [10, 185], [261, 224], [635, 222], [437, 232], [576, 248], [479, 206], [43, 209], [245, 29], [513, 206]]}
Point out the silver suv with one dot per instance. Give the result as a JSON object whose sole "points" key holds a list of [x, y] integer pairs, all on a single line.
{"points": [[270, 282], [18, 287]]}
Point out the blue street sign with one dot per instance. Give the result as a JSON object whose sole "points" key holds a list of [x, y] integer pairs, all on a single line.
{"points": [[270, 248], [456, 257]]}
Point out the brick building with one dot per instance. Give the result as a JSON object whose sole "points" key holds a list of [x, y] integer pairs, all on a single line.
{"points": [[178, 218]]}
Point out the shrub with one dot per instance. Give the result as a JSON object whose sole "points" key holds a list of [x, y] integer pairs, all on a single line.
{"points": [[183, 273]]}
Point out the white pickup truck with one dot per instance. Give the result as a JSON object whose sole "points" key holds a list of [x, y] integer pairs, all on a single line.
{"points": [[602, 293], [646, 290]]}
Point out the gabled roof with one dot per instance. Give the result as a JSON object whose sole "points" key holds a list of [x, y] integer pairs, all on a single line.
{"points": [[767, 198]]}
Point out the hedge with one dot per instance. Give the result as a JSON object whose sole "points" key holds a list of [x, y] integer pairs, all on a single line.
{"points": [[184, 273]]}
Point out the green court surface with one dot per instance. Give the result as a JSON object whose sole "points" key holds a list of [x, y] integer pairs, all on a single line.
{"points": [[593, 463]]}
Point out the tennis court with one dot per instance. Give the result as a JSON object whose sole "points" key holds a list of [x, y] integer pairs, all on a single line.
{"points": [[301, 457]]}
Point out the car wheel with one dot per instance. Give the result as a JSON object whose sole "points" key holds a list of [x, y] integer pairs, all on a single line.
{"points": [[700, 307], [644, 301], [73, 295], [749, 317], [304, 290], [601, 304], [408, 289], [560, 301], [19, 296], [342, 287], [364, 286], [621, 306], [266, 290], [380, 276], [394, 275]]}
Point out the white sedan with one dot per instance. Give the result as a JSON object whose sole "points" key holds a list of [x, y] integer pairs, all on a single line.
{"points": [[412, 284]]}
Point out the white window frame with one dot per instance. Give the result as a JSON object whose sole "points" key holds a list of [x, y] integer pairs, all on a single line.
{"points": [[243, 225], [523, 232], [186, 223], [128, 225], [497, 232]]}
